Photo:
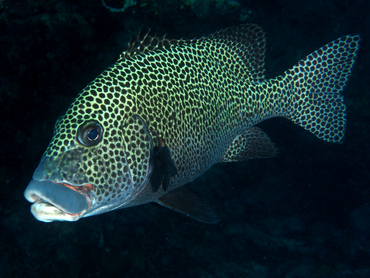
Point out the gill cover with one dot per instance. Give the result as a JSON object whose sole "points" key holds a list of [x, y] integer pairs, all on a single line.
{"points": [[139, 148]]}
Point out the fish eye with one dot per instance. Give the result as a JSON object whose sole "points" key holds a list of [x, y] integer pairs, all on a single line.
{"points": [[90, 133]]}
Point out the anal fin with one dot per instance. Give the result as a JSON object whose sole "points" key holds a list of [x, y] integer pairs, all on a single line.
{"points": [[253, 143], [183, 201]]}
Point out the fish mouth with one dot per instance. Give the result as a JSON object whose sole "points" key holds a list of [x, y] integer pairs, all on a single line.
{"points": [[57, 201]]}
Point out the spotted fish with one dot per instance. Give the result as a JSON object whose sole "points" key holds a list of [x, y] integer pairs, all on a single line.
{"points": [[168, 110]]}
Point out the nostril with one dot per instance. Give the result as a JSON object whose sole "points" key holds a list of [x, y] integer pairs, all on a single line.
{"points": [[31, 196], [35, 198]]}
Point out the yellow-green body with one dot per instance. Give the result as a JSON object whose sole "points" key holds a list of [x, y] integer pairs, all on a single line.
{"points": [[198, 99]]}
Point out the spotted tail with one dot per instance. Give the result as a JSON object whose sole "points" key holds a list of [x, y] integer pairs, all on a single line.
{"points": [[314, 87]]}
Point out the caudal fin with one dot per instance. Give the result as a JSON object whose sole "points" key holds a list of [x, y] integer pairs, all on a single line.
{"points": [[314, 87]]}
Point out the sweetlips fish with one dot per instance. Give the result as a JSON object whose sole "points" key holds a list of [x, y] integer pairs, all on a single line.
{"points": [[168, 110]]}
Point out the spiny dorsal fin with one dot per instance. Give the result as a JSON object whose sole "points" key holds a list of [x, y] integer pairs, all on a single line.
{"points": [[146, 41], [248, 42], [253, 143]]}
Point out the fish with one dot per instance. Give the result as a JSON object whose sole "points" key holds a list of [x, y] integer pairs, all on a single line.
{"points": [[167, 110]]}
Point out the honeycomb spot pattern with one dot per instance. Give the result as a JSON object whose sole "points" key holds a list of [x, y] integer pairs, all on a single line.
{"points": [[201, 99]]}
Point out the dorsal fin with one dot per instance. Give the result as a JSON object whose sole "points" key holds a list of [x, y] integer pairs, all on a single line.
{"points": [[147, 41], [248, 42]]}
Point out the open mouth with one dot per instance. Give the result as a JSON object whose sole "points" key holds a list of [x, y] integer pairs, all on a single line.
{"points": [[57, 202]]}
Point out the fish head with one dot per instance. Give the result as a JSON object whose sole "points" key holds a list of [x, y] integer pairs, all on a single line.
{"points": [[98, 160]]}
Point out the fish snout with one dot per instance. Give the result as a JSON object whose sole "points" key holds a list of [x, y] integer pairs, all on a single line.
{"points": [[56, 202]]}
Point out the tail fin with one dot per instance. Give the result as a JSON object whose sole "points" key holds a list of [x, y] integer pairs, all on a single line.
{"points": [[315, 84]]}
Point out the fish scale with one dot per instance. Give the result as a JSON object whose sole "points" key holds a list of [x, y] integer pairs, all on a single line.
{"points": [[168, 110]]}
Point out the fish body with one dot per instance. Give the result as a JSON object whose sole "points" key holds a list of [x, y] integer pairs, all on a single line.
{"points": [[168, 110]]}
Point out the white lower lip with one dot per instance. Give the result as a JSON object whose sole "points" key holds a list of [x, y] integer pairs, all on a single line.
{"points": [[55, 202], [60, 196], [46, 212]]}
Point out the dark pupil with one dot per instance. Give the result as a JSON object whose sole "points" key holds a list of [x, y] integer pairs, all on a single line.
{"points": [[93, 134]]}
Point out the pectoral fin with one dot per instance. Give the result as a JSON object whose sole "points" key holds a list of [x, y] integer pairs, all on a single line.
{"points": [[164, 168], [185, 202]]}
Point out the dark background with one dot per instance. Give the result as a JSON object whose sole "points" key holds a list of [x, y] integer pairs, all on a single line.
{"points": [[304, 213]]}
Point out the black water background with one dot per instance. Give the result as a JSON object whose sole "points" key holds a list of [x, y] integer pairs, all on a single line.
{"points": [[302, 214]]}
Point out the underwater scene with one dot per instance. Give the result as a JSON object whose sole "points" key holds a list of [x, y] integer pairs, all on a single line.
{"points": [[209, 138]]}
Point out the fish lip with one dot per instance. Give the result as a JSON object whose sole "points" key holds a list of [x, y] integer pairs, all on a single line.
{"points": [[58, 201]]}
